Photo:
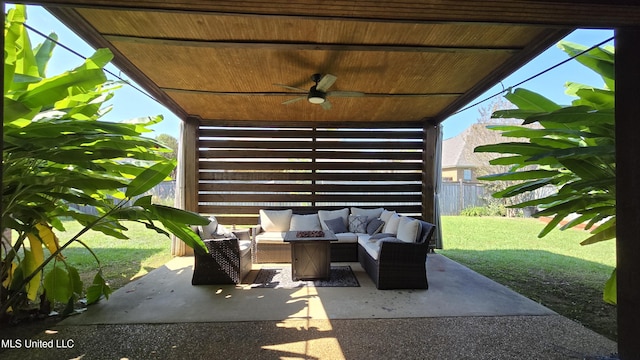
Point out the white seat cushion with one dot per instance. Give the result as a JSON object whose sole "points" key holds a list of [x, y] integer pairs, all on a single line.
{"points": [[347, 237], [371, 247], [207, 231], [245, 246], [363, 237], [305, 222], [275, 220], [271, 237]]}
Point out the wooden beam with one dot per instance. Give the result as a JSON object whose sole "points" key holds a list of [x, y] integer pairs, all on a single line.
{"points": [[341, 132], [272, 93], [306, 46], [302, 176], [578, 13], [262, 123], [627, 196]]}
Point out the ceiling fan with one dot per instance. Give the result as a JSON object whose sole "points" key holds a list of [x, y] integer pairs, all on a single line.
{"points": [[318, 93]]}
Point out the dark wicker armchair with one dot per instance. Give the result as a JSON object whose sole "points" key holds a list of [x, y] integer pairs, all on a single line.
{"points": [[400, 265], [227, 262]]}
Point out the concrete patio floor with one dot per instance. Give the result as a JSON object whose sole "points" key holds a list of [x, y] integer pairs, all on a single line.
{"points": [[463, 315]]}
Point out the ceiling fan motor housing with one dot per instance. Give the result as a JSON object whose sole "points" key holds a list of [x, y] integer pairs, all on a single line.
{"points": [[316, 96]]}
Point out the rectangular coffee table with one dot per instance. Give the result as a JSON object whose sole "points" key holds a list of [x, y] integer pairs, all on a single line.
{"points": [[310, 253]]}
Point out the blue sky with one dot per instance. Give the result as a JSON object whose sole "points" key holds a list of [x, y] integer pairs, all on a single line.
{"points": [[130, 103]]}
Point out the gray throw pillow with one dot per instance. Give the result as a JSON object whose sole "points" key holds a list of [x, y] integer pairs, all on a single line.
{"points": [[358, 224], [336, 225], [374, 226]]}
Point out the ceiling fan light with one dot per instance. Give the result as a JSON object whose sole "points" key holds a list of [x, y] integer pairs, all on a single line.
{"points": [[315, 96], [316, 99]]}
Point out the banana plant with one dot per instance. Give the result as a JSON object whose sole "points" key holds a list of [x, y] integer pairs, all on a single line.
{"points": [[573, 150], [57, 153]]}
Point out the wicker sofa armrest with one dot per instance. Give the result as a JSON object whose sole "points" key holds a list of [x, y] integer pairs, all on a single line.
{"points": [[225, 244], [399, 252], [426, 232], [255, 231]]}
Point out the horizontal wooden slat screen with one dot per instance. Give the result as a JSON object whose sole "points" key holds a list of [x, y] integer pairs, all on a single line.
{"points": [[243, 169]]}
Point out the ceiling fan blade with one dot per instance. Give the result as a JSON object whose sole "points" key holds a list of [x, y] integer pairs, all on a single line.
{"points": [[345, 93], [291, 101], [326, 82], [291, 87], [326, 105]]}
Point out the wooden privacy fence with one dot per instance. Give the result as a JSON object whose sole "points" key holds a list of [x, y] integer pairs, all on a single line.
{"points": [[243, 168], [454, 197], [457, 196]]}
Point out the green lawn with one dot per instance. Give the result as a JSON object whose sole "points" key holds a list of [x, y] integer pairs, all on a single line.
{"points": [[555, 270], [122, 260]]}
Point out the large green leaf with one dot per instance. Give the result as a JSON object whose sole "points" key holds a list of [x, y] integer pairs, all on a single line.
{"points": [[13, 31], [44, 52], [98, 289], [177, 215], [150, 178], [588, 168], [610, 293], [590, 96], [51, 90], [14, 110], [522, 132], [523, 187], [520, 175], [585, 115], [185, 234], [75, 280], [514, 148], [573, 155], [598, 59], [529, 100], [58, 285], [605, 235], [515, 113]]}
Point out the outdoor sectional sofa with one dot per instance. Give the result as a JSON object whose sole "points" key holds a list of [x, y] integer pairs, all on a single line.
{"points": [[392, 248]]}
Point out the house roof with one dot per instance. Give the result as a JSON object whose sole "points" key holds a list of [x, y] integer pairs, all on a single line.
{"points": [[414, 61], [453, 150], [457, 152]]}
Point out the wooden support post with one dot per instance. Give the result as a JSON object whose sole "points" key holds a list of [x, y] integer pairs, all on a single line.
{"points": [[187, 184], [627, 198], [431, 133]]}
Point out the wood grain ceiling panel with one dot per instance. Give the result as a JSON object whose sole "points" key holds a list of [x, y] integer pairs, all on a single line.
{"points": [[270, 108], [226, 49], [257, 70], [200, 26]]}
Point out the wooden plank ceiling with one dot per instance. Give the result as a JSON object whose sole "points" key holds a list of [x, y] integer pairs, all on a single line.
{"points": [[222, 60]]}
